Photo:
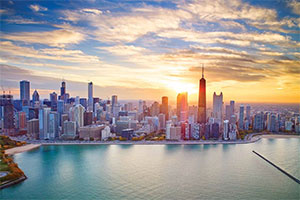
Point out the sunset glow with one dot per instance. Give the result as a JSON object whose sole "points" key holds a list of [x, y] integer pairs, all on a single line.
{"points": [[149, 49]]}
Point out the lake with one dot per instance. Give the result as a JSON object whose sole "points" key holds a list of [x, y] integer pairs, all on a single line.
{"points": [[221, 171]]}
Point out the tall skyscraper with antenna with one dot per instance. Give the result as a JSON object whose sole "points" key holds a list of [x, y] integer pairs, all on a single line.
{"points": [[90, 97], [63, 90], [202, 99]]}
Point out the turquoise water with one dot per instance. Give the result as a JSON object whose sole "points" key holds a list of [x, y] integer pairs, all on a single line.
{"points": [[159, 172]]}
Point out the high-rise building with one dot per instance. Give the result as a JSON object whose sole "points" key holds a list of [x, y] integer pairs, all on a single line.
{"points": [[272, 122], [140, 106], [218, 106], [53, 125], [69, 130], [162, 121], [202, 100], [241, 117], [25, 92], [83, 102], [35, 97], [232, 131], [258, 124], [90, 97], [195, 131], [248, 109], [182, 106], [53, 99], [226, 130], [63, 89], [227, 112], [79, 115], [168, 129], [232, 119], [165, 107], [114, 100], [88, 118], [185, 131], [154, 110], [22, 122], [44, 123], [231, 107], [63, 118], [33, 129], [6, 104], [175, 133], [215, 130]]}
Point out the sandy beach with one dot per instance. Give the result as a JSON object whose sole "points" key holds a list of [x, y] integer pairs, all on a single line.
{"points": [[280, 136], [21, 149]]}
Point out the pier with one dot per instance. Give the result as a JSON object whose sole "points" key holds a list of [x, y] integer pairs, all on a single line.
{"points": [[283, 171]]}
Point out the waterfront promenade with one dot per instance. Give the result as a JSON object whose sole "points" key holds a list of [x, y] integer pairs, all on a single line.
{"points": [[251, 138]]}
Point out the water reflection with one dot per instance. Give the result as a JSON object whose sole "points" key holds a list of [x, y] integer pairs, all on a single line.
{"points": [[126, 146], [172, 148], [192, 147]]}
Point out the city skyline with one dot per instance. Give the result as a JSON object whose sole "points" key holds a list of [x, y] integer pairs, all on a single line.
{"points": [[153, 49]]}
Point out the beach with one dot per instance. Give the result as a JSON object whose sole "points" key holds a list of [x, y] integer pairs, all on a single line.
{"points": [[21, 149], [280, 136]]}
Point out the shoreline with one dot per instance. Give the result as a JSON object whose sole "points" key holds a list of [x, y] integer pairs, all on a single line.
{"points": [[280, 136], [253, 138], [21, 149]]}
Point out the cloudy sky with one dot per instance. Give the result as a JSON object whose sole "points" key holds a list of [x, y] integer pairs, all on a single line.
{"points": [[147, 49]]}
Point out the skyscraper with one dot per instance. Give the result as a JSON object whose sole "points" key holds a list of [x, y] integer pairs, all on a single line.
{"points": [[258, 124], [182, 106], [226, 129], [53, 125], [231, 107], [35, 97], [63, 89], [164, 107], [79, 115], [90, 97], [202, 99], [25, 92], [53, 99], [154, 110], [44, 123], [162, 121], [114, 100], [218, 106], [248, 108], [241, 118], [227, 112], [140, 109], [7, 108]]}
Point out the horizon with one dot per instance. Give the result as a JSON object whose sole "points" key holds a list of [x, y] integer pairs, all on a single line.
{"points": [[153, 49]]}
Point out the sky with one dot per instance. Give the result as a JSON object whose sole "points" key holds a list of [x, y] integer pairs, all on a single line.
{"points": [[149, 49]]}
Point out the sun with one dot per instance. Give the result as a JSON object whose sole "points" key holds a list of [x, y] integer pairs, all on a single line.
{"points": [[182, 87]]}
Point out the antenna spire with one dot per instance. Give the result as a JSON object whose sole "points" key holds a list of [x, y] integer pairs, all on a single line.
{"points": [[202, 70]]}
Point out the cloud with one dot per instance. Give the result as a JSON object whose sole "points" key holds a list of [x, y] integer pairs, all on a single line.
{"points": [[37, 8], [127, 27], [72, 56], [20, 20], [222, 73], [56, 38], [295, 5], [92, 10], [125, 50], [228, 9]]}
